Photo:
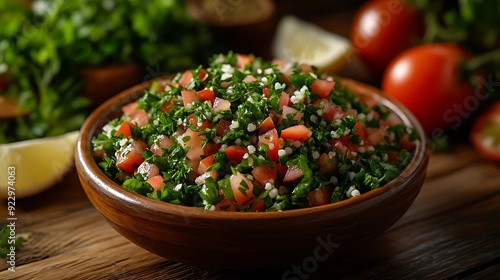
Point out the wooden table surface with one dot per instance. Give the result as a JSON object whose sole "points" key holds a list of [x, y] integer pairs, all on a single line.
{"points": [[452, 231]]}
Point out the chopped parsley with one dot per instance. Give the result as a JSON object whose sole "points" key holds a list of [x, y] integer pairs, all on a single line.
{"points": [[244, 134]]}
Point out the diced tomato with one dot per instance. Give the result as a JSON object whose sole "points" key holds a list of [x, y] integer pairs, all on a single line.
{"points": [[322, 87], [156, 182], [249, 79], [305, 68], [392, 156], [376, 135], [130, 109], [207, 94], [331, 110], [244, 60], [297, 132], [344, 146], [205, 164], [223, 127], [327, 166], [225, 204], [202, 74], [185, 78], [287, 110], [359, 130], [136, 115], [293, 173], [125, 129], [265, 92], [221, 104], [350, 112], [129, 157], [265, 173], [242, 188], [271, 139], [284, 100], [162, 142], [193, 140], [148, 169], [255, 204], [169, 105], [319, 196], [266, 125], [193, 119], [235, 153], [405, 143], [211, 148], [189, 96], [281, 168]]}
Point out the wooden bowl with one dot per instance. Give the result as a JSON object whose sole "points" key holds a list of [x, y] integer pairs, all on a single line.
{"points": [[234, 240]]}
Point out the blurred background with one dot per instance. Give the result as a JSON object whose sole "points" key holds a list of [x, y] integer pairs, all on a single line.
{"points": [[60, 59]]}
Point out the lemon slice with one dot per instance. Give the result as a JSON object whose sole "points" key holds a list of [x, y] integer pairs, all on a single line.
{"points": [[35, 165], [299, 41]]}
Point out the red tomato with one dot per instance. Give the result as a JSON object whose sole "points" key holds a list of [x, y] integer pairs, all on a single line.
{"points": [[271, 139], [330, 110], [284, 100], [359, 130], [205, 164], [225, 204], [156, 182], [235, 153], [485, 134], [297, 132], [265, 92], [244, 60], [426, 80], [125, 129], [193, 119], [211, 148], [256, 205], [266, 125], [189, 96], [265, 173], [221, 104], [319, 196], [287, 110], [382, 29], [322, 87], [242, 188], [293, 173], [162, 142], [129, 157], [207, 94], [327, 166], [185, 78], [223, 127]]}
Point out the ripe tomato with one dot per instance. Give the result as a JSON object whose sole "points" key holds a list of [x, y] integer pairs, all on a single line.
{"points": [[382, 29], [426, 80], [485, 134], [128, 158]]}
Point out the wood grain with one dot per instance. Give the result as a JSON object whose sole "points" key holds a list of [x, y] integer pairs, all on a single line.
{"points": [[451, 231]]}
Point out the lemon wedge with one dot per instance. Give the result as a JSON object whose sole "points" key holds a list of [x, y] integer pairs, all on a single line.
{"points": [[33, 166], [300, 41]]}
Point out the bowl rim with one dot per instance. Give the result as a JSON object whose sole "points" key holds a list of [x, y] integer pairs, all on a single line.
{"points": [[86, 164]]}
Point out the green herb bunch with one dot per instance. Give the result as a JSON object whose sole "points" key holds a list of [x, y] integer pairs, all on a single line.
{"points": [[46, 43]]}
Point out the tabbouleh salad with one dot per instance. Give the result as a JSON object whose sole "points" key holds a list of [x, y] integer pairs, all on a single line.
{"points": [[244, 134]]}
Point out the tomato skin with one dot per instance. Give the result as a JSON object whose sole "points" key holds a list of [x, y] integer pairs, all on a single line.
{"points": [[125, 129], [319, 196], [426, 80], [293, 173], [189, 96], [297, 132], [129, 157], [223, 127], [265, 173], [156, 182], [381, 29], [271, 139], [235, 153], [207, 95], [205, 164], [489, 120], [322, 87], [266, 125], [242, 188]]}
